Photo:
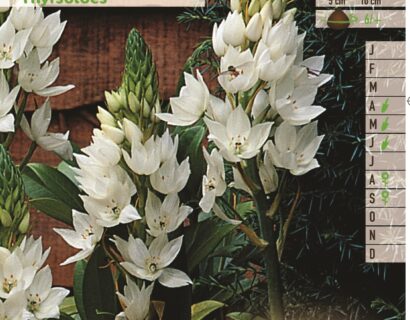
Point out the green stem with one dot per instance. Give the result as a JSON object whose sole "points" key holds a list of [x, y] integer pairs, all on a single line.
{"points": [[271, 258], [28, 156]]}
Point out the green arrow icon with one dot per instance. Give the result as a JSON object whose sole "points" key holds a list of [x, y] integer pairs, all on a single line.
{"points": [[385, 124], [385, 105], [385, 143]]}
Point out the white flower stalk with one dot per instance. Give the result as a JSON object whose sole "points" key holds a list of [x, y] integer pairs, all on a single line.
{"points": [[37, 131], [7, 100], [12, 44], [25, 17], [46, 33], [297, 108], [14, 307], [152, 264], [234, 30], [237, 139], [14, 276], [135, 300], [218, 42], [238, 71], [86, 234], [171, 177], [43, 301], [164, 217], [213, 183], [268, 175], [191, 104], [254, 28], [145, 157], [31, 253], [116, 208], [295, 148], [38, 79]]}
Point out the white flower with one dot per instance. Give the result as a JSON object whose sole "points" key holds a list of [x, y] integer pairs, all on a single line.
{"points": [[86, 234], [234, 30], [238, 182], [260, 105], [37, 132], [46, 33], [191, 104], [12, 44], [31, 253], [254, 28], [237, 140], [268, 175], [271, 67], [219, 110], [221, 215], [36, 78], [267, 13], [135, 300], [164, 217], [43, 301], [7, 99], [152, 264], [14, 307], [145, 157], [14, 276], [297, 108], [167, 147], [238, 71], [218, 42], [310, 73], [110, 131], [295, 148], [171, 177], [116, 208], [132, 131], [25, 17], [213, 183]]}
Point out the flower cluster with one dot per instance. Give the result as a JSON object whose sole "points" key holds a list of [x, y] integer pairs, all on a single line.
{"points": [[268, 106], [26, 290], [27, 38], [132, 176]]}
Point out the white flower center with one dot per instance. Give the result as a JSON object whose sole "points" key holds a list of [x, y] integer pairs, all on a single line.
{"points": [[87, 232], [34, 302], [210, 184], [237, 143], [113, 209], [151, 264], [9, 283], [32, 76], [234, 72], [6, 52], [162, 221]]}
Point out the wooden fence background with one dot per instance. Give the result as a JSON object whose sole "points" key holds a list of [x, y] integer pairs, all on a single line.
{"points": [[91, 53]]}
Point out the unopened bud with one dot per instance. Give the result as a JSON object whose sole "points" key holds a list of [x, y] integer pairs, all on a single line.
{"points": [[25, 223], [113, 103], [254, 7], [254, 28], [236, 5], [114, 134], [266, 12], [5, 218], [277, 9], [105, 117]]}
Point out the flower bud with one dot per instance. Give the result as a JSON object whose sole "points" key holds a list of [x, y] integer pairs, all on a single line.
{"points": [[132, 131], [114, 134], [277, 9], [266, 12], [254, 7], [234, 30], [236, 5], [25, 223], [263, 2], [113, 103], [105, 117], [5, 218], [254, 28], [218, 42]]}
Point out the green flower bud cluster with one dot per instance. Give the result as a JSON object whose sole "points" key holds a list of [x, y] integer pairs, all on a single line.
{"points": [[138, 97], [14, 214]]}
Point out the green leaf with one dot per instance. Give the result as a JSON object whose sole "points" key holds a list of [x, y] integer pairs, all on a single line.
{"points": [[68, 306], [65, 168], [54, 208], [64, 316], [51, 192], [94, 288], [202, 239], [202, 309], [243, 316], [190, 144]]}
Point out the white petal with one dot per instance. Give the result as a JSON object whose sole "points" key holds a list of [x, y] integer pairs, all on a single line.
{"points": [[173, 278]]}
